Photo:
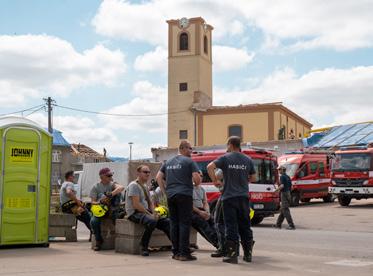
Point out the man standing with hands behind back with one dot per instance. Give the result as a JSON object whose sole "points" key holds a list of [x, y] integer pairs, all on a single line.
{"points": [[175, 178], [237, 169]]}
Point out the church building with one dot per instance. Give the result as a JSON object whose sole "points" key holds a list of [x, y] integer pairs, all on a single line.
{"points": [[191, 114]]}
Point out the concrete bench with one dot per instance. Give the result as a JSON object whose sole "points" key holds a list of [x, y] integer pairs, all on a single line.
{"points": [[63, 225], [108, 234], [128, 237]]}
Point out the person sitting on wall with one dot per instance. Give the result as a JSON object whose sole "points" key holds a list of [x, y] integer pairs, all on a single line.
{"points": [[70, 203], [140, 209], [105, 198]]}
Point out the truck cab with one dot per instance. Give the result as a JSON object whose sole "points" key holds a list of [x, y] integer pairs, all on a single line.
{"points": [[352, 174], [310, 176], [263, 198]]}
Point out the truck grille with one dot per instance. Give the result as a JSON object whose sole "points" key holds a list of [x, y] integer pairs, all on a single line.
{"points": [[348, 182]]}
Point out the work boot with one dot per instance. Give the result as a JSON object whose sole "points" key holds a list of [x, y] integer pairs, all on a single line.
{"points": [[231, 252], [98, 246], [248, 250], [144, 251], [218, 253], [290, 227]]}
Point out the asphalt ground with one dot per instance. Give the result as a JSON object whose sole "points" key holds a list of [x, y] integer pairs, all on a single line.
{"points": [[329, 240]]}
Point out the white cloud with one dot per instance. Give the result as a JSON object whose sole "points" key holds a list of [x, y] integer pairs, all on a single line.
{"points": [[146, 21], [154, 61], [340, 25], [36, 65], [148, 99], [228, 58], [323, 97]]}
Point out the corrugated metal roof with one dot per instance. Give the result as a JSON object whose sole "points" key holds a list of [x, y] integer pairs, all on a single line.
{"points": [[59, 140], [345, 135]]}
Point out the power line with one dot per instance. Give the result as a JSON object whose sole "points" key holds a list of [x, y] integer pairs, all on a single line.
{"points": [[117, 114], [21, 111], [36, 110]]}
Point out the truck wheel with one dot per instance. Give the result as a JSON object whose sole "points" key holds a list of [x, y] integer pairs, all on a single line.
{"points": [[295, 197], [344, 201], [256, 220], [305, 200], [328, 198]]}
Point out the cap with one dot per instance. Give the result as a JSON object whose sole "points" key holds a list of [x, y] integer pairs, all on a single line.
{"points": [[281, 167], [106, 171]]}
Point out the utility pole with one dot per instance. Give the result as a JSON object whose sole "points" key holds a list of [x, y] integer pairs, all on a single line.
{"points": [[130, 143], [49, 102]]}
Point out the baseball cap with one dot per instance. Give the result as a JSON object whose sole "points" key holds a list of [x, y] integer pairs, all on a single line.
{"points": [[106, 171]]}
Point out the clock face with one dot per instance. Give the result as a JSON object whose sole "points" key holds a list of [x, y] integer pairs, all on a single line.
{"points": [[183, 22]]}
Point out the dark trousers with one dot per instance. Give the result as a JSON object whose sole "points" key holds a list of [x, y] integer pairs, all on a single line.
{"points": [[84, 217], [236, 212], [150, 225], [219, 223], [284, 210], [180, 207], [96, 224], [205, 228]]}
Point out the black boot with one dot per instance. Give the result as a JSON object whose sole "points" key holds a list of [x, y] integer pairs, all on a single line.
{"points": [[231, 252], [248, 250], [218, 253]]}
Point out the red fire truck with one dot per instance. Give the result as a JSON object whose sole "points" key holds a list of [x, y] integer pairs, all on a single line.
{"points": [[352, 174], [310, 176], [263, 198]]}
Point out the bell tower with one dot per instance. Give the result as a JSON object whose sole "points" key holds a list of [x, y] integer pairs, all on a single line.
{"points": [[189, 76]]}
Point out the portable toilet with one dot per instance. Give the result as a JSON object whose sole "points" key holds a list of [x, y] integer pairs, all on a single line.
{"points": [[25, 154]]}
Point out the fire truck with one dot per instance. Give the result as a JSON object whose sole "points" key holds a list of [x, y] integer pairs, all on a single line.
{"points": [[310, 176], [352, 174], [263, 198]]}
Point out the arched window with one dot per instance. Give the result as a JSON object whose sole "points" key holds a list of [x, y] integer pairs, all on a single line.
{"points": [[205, 45], [235, 130], [184, 41]]}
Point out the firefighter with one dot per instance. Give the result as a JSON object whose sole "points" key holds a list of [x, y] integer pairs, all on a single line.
{"points": [[201, 217], [238, 170], [70, 204], [285, 190], [175, 178], [105, 198], [140, 209]]}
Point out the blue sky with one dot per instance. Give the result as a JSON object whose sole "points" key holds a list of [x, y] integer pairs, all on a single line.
{"points": [[111, 56]]}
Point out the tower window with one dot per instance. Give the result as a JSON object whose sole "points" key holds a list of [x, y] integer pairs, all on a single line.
{"points": [[183, 86], [184, 42], [183, 134], [205, 45], [235, 130]]}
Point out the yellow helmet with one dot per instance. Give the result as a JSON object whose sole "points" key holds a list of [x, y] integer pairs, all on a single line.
{"points": [[251, 213], [162, 211], [99, 210]]}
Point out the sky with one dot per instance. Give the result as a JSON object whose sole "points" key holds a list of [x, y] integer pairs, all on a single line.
{"points": [[110, 56]]}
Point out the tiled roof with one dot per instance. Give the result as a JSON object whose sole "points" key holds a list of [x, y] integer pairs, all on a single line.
{"points": [[59, 140], [80, 149]]}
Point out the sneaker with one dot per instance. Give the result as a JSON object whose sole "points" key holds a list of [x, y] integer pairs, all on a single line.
{"points": [[145, 252], [290, 228], [175, 257], [186, 258]]}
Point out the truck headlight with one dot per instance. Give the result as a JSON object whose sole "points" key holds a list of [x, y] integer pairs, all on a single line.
{"points": [[333, 182], [366, 182]]}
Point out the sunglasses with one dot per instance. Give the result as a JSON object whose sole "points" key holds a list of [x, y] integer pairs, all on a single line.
{"points": [[147, 172], [109, 175]]}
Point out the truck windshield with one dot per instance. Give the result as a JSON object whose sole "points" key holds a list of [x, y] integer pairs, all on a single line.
{"points": [[265, 171], [291, 168], [351, 162]]}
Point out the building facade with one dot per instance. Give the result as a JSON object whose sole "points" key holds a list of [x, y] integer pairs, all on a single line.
{"points": [[191, 114]]}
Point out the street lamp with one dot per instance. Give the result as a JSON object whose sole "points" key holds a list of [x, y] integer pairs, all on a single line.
{"points": [[130, 143]]}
